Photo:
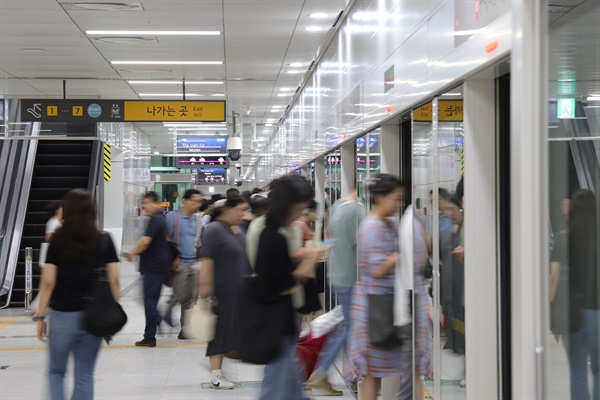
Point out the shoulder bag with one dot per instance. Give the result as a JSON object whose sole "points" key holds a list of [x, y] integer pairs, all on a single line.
{"points": [[103, 315]]}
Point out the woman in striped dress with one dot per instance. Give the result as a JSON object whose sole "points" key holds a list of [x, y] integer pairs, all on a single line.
{"points": [[377, 256]]}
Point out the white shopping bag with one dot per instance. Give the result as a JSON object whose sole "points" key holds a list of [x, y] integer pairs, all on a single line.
{"points": [[327, 322], [199, 322]]}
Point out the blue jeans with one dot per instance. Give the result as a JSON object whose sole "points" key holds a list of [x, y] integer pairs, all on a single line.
{"points": [[65, 336], [337, 339], [282, 378], [578, 346], [153, 282]]}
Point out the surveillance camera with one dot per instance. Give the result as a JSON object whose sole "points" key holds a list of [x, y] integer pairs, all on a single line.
{"points": [[234, 148], [237, 183]]}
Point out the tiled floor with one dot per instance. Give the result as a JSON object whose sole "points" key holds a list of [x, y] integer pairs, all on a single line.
{"points": [[174, 369]]}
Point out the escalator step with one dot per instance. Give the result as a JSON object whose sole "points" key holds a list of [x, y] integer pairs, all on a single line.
{"points": [[31, 241], [52, 182], [36, 217], [64, 147], [61, 170], [63, 159], [38, 206], [35, 229], [48, 194]]}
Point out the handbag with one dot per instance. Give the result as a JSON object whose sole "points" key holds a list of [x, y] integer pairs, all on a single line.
{"points": [[199, 322], [382, 332], [103, 315]]}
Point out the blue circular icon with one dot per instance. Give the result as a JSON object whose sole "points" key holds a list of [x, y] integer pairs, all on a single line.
{"points": [[94, 110]]}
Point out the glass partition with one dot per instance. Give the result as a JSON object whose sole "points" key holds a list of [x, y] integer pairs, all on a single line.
{"points": [[438, 163], [573, 304]]}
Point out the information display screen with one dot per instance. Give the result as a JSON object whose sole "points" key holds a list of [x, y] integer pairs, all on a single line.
{"points": [[211, 176], [202, 161], [373, 144], [201, 145]]}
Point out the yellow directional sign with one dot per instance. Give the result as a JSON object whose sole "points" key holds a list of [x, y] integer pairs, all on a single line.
{"points": [[448, 110], [181, 111], [106, 162]]}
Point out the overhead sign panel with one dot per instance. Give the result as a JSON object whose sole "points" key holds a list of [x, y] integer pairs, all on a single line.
{"points": [[201, 145], [176, 111], [211, 176], [201, 161], [43, 110]]}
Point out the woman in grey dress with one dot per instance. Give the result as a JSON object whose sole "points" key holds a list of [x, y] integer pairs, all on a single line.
{"points": [[224, 261]]}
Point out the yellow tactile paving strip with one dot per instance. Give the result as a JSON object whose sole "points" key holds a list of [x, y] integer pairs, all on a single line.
{"points": [[4, 322]]}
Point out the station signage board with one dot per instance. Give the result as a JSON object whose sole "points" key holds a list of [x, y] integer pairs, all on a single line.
{"points": [[199, 145], [75, 111], [211, 176]]}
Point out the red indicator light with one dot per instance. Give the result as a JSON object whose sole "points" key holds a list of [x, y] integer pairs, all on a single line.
{"points": [[344, 136], [388, 109], [491, 46]]}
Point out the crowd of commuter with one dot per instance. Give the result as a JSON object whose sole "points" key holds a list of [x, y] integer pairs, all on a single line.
{"points": [[255, 254]]}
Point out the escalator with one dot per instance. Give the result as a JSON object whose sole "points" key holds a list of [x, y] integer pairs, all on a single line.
{"points": [[574, 162], [60, 165]]}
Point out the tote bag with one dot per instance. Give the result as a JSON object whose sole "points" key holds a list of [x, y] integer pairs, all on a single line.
{"points": [[199, 322]]}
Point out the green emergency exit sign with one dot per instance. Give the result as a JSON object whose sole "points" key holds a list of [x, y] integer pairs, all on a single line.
{"points": [[565, 108]]}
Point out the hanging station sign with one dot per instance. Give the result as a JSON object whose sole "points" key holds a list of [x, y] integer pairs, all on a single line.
{"points": [[73, 111]]}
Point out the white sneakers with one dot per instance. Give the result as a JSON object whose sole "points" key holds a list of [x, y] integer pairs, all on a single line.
{"points": [[222, 383]]}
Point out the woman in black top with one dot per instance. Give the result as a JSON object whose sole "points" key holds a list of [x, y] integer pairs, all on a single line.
{"points": [[280, 276], [583, 247], [76, 250]]}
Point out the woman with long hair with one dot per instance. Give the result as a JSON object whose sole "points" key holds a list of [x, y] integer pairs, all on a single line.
{"points": [[377, 255], [77, 250], [224, 261], [289, 197], [583, 245]]}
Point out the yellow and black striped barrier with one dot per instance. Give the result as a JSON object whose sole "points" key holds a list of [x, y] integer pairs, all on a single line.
{"points": [[106, 162], [462, 161]]}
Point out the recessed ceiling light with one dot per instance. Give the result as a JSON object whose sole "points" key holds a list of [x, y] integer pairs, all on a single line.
{"points": [[285, 89], [451, 94], [296, 65], [313, 28], [218, 95], [318, 15], [149, 82], [156, 33], [277, 106], [593, 98], [156, 152], [125, 39], [32, 50], [268, 124], [167, 62], [104, 6], [284, 94], [294, 71]]}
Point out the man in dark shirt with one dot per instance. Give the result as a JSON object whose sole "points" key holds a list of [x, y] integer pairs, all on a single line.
{"points": [[154, 265]]}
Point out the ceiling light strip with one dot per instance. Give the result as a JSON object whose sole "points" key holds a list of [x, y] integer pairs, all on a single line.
{"points": [[175, 82], [167, 62], [157, 33]]}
